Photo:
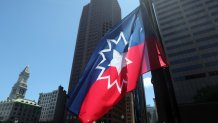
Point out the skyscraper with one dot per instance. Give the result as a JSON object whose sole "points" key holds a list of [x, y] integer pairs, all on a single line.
{"points": [[97, 18], [189, 31]]}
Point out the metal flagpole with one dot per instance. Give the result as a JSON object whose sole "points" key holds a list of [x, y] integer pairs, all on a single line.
{"points": [[163, 88], [140, 111]]}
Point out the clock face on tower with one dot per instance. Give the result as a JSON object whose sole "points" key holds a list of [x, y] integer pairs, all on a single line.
{"points": [[21, 91]]}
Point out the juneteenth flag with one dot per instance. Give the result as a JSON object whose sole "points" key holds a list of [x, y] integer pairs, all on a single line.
{"points": [[123, 54]]}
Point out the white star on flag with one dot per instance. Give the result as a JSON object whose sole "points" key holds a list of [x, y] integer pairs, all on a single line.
{"points": [[119, 61]]}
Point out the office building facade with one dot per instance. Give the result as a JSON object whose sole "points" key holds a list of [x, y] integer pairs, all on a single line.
{"points": [[189, 32], [53, 106], [190, 38]]}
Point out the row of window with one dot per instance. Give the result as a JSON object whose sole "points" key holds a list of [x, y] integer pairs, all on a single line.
{"points": [[195, 76], [187, 68], [178, 31], [182, 37], [191, 67], [181, 45], [184, 60], [187, 51]]}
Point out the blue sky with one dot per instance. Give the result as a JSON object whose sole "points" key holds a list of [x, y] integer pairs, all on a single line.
{"points": [[42, 34]]}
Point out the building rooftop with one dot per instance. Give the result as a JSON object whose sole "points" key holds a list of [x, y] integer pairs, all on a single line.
{"points": [[24, 101]]}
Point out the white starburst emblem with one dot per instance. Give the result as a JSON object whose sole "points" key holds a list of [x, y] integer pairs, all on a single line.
{"points": [[119, 61]]}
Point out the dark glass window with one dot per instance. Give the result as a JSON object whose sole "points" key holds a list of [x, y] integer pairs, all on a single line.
{"points": [[167, 10], [187, 68], [166, 4], [214, 6], [210, 1], [204, 31], [211, 54], [197, 18], [182, 52], [213, 73], [211, 37], [191, 13], [179, 45], [177, 38], [213, 63], [171, 20], [214, 13], [191, 5], [209, 46], [174, 25], [175, 32], [185, 60], [200, 24], [188, 2], [195, 76], [181, 78], [169, 15]]}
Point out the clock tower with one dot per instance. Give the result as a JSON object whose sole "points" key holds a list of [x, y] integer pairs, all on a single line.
{"points": [[19, 89]]}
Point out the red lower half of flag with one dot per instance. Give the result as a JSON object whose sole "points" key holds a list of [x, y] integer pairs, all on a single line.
{"points": [[104, 93]]}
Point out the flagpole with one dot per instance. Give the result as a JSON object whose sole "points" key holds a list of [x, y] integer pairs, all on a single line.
{"points": [[140, 111], [163, 88]]}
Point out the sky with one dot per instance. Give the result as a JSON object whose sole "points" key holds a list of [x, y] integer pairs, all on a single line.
{"points": [[42, 34]]}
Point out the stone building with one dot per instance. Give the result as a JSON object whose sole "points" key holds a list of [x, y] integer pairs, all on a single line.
{"points": [[19, 110], [16, 108], [53, 106]]}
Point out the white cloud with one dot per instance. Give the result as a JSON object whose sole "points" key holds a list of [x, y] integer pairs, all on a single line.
{"points": [[147, 82]]}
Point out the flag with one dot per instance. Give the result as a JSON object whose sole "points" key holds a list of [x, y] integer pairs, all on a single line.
{"points": [[123, 54]]}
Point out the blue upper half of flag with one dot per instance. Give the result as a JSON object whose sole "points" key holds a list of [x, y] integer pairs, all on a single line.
{"points": [[126, 34]]}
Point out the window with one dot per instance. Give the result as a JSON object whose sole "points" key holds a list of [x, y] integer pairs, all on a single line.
{"points": [[191, 13], [211, 64], [182, 52], [204, 31], [171, 20], [176, 33], [195, 76], [197, 18], [177, 38], [179, 45], [200, 24], [209, 46], [185, 60], [211, 37], [213, 73], [214, 6], [187, 68], [211, 54]]}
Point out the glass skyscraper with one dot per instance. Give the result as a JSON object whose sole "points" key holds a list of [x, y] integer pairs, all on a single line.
{"points": [[189, 31]]}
